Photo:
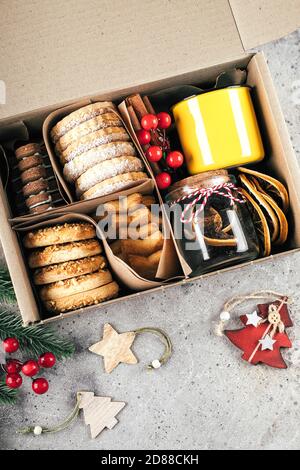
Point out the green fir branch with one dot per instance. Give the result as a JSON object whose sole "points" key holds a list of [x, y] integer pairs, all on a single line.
{"points": [[7, 395], [7, 293], [33, 339]]}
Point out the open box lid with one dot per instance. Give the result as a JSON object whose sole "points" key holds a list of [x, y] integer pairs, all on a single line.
{"points": [[261, 21], [56, 52]]}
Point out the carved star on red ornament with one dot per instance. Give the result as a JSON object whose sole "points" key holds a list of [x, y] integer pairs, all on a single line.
{"points": [[255, 341]]}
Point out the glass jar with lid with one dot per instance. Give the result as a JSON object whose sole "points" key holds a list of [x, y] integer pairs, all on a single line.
{"points": [[212, 225]]}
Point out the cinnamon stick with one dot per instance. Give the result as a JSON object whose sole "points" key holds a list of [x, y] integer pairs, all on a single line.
{"points": [[148, 105], [138, 105], [133, 118]]}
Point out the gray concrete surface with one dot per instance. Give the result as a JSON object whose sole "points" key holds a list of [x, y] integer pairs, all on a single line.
{"points": [[206, 397]]}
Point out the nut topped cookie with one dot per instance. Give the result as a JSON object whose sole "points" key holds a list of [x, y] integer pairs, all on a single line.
{"points": [[69, 267], [59, 234]]}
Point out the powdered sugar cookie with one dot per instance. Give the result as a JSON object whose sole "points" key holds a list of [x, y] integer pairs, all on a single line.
{"points": [[93, 140], [87, 127], [106, 170], [80, 115], [112, 185], [79, 165]]}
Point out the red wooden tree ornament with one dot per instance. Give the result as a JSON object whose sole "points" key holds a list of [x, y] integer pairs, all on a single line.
{"points": [[262, 339]]}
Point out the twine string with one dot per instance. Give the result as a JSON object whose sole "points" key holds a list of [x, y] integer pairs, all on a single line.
{"points": [[274, 326], [202, 196], [239, 299], [164, 338], [60, 427], [263, 294]]}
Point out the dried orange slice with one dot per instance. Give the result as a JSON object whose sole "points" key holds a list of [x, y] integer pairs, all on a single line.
{"points": [[260, 223], [283, 223], [271, 186], [220, 241], [268, 211]]}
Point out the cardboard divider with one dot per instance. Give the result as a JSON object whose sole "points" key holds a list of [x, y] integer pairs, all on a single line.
{"points": [[4, 167], [16, 265]]}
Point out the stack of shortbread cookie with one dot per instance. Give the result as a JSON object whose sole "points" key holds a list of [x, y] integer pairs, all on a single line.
{"points": [[69, 267], [96, 151], [139, 238]]}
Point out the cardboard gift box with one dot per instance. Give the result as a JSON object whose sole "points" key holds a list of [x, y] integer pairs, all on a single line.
{"points": [[56, 54]]}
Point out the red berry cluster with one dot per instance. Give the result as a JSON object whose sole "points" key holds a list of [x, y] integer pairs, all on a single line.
{"points": [[154, 153], [30, 368]]}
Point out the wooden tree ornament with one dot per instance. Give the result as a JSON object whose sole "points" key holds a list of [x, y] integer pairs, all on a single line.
{"points": [[99, 413]]}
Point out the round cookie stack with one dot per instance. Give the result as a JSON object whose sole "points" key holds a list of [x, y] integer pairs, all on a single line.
{"points": [[96, 151], [34, 181], [69, 268]]}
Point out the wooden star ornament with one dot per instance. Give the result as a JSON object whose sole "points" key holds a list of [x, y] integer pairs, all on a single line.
{"points": [[115, 348]]}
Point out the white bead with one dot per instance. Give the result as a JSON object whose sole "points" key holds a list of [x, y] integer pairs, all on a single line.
{"points": [[224, 316], [37, 430], [156, 364]]}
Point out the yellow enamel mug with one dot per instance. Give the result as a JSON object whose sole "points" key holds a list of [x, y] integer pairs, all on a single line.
{"points": [[218, 129]]}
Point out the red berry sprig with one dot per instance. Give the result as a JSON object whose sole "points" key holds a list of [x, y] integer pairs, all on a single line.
{"points": [[13, 366], [149, 122], [164, 120], [163, 180], [11, 345], [144, 137], [155, 153], [175, 159], [30, 368], [47, 360], [13, 380], [40, 386]]}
